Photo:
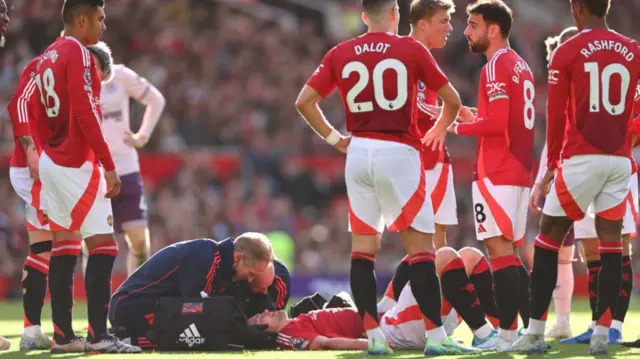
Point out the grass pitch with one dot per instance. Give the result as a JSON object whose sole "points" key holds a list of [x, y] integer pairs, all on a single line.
{"points": [[11, 327]]}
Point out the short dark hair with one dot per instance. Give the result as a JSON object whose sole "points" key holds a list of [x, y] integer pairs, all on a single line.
{"points": [[374, 7], [72, 8], [494, 12], [598, 8], [425, 9]]}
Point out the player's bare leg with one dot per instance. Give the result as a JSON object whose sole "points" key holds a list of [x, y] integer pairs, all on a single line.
{"points": [[504, 264], [139, 241], [363, 286], [440, 236], [34, 289], [562, 294], [479, 272], [64, 255], [459, 291]]}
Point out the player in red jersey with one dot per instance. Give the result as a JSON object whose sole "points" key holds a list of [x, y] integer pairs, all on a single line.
{"points": [[430, 25], [76, 197], [5, 344], [23, 173], [504, 162], [377, 74], [563, 291], [592, 76]]}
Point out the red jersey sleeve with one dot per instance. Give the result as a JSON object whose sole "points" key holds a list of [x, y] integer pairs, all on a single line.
{"points": [[558, 95], [636, 110], [324, 79], [497, 85], [428, 70], [81, 77], [18, 106], [297, 335]]}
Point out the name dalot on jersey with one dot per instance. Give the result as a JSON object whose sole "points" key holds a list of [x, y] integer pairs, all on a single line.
{"points": [[371, 47]]}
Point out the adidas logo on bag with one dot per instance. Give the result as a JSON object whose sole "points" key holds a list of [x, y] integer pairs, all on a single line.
{"points": [[191, 336]]}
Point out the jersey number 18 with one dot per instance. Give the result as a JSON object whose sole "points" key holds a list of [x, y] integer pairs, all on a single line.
{"points": [[48, 83]]}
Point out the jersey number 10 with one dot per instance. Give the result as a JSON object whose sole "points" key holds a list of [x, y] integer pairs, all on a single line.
{"points": [[378, 87], [595, 84], [48, 83]]}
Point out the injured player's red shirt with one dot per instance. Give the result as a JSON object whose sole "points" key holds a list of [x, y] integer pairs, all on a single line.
{"points": [[331, 323]]}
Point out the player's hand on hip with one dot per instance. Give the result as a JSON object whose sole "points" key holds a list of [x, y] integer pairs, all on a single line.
{"points": [[135, 140], [113, 183], [343, 144], [434, 138]]}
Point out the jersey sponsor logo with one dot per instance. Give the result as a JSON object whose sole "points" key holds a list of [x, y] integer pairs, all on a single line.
{"points": [[192, 308], [191, 336], [553, 76], [115, 115], [494, 87]]}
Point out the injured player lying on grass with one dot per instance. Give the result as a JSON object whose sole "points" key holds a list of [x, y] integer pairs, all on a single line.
{"points": [[343, 329]]}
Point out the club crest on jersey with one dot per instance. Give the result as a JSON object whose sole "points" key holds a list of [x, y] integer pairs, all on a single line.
{"points": [[421, 86]]}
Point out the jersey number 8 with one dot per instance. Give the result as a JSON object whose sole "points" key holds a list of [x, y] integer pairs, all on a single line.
{"points": [[378, 87], [48, 82]]}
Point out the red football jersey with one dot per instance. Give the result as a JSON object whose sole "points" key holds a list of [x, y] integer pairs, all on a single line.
{"points": [[596, 72], [69, 88], [425, 123], [330, 323], [20, 112], [377, 75], [506, 119]]}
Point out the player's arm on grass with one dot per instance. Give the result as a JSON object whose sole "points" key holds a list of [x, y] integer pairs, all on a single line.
{"points": [[81, 73], [495, 123], [319, 86], [557, 99], [324, 343], [141, 90]]}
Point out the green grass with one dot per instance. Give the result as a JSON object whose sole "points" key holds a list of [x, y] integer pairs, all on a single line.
{"points": [[11, 327]]}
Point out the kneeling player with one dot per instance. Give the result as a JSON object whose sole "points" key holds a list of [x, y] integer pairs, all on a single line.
{"points": [[190, 269]]}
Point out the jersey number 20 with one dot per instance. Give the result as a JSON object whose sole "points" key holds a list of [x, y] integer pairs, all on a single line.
{"points": [[51, 102], [378, 87]]}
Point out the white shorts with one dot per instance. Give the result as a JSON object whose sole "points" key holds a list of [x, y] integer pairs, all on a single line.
{"points": [[582, 180], [500, 211], [443, 195], [386, 185], [30, 192], [586, 227], [403, 324], [75, 198]]}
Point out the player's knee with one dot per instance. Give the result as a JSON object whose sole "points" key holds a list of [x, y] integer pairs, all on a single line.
{"points": [[591, 249], [102, 243], [470, 257], [138, 239], [444, 256]]}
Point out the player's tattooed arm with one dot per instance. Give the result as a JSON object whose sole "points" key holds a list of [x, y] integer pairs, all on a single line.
{"points": [[27, 143]]}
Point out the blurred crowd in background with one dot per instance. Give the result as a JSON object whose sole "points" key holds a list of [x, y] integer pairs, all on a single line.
{"points": [[230, 71]]}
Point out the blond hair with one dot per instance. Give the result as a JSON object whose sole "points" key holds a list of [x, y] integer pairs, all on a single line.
{"points": [[425, 9]]}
